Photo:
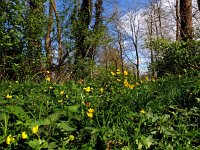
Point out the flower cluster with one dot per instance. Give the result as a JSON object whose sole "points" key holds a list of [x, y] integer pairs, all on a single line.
{"points": [[90, 113]]}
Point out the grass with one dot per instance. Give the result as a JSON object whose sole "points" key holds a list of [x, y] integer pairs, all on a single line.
{"points": [[105, 113]]}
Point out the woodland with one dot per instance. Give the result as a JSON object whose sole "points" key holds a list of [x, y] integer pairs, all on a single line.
{"points": [[100, 74]]}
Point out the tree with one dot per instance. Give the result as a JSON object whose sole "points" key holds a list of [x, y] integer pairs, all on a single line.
{"points": [[186, 20]]}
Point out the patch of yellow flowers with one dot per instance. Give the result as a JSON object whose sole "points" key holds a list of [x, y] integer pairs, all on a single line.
{"points": [[90, 113]]}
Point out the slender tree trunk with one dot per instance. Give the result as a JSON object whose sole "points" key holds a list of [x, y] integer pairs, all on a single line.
{"points": [[186, 20], [198, 2], [177, 21], [48, 37]]}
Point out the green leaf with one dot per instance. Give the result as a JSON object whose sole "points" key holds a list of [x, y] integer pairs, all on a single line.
{"points": [[65, 126], [18, 111], [147, 141], [73, 108]]}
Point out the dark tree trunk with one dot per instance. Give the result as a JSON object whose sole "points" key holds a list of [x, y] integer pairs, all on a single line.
{"points": [[186, 20]]}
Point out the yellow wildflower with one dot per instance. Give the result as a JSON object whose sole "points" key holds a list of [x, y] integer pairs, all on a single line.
{"points": [[147, 78], [24, 135], [89, 114], [125, 72], [9, 139], [62, 92], [35, 129], [137, 83], [101, 90], [112, 73], [60, 101], [50, 87], [87, 89], [48, 72], [17, 82], [118, 71], [126, 84], [71, 138], [91, 110], [8, 96], [142, 111], [131, 86], [48, 79], [118, 80]]}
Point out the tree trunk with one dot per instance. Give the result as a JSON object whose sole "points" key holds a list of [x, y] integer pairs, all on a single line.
{"points": [[177, 21], [186, 20], [48, 37]]}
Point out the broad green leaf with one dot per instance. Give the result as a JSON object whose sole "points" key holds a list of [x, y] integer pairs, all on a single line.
{"points": [[65, 126]]}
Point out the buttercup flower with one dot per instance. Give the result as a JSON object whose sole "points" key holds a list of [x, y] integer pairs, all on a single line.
{"points": [[125, 72], [131, 86], [87, 89], [50, 87], [71, 138], [24, 135], [91, 110], [112, 73], [118, 80], [8, 96], [118, 71], [90, 115], [48, 72], [9, 139], [142, 111], [60, 101], [101, 90], [62, 92], [126, 84], [35, 129], [48, 79]]}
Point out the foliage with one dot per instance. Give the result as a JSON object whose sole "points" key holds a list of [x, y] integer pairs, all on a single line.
{"points": [[177, 58], [110, 111]]}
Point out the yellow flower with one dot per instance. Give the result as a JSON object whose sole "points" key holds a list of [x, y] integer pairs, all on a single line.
{"points": [[142, 111], [147, 78], [48, 79], [62, 92], [17, 82], [101, 90], [118, 71], [71, 138], [137, 83], [24, 135], [118, 80], [91, 110], [48, 72], [131, 86], [8, 139], [87, 89], [60, 101], [125, 72], [8, 96], [112, 73], [126, 84], [35, 129], [90, 115]]}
